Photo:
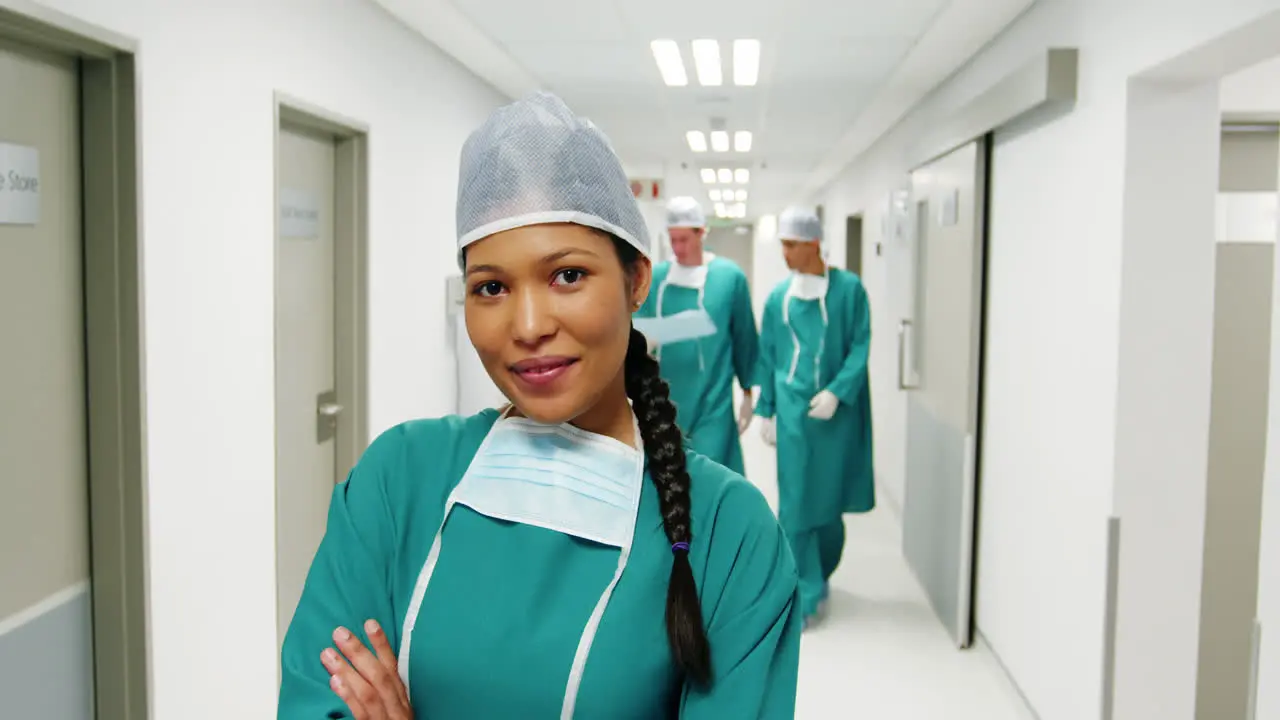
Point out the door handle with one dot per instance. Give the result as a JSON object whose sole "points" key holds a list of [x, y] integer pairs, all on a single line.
{"points": [[327, 411], [904, 327]]}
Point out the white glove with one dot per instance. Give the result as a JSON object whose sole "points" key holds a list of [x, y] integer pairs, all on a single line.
{"points": [[769, 431], [823, 405], [745, 411]]}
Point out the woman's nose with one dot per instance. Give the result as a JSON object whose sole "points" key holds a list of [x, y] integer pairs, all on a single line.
{"points": [[533, 322]]}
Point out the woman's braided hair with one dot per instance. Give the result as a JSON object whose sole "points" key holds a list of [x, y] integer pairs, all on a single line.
{"points": [[664, 446]]}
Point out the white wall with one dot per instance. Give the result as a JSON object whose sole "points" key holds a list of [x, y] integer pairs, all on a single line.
{"points": [[1163, 401], [1049, 434], [1255, 90], [208, 70]]}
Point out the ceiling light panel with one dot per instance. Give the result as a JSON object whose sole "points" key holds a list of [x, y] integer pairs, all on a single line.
{"points": [[706, 60], [667, 54], [697, 141], [746, 62], [740, 196], [742, 141], [715, 195], [720, 141], [725, 175], [708, 176], [742, 176]]}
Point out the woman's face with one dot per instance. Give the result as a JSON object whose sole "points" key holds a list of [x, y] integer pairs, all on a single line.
{"points": [[549, 312]]}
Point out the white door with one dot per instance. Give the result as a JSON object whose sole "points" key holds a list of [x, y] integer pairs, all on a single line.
{"points": [[46, 643], [942, 375], [307, 411]]}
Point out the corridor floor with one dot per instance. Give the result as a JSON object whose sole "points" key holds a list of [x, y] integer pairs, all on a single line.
{"points": [[880, 654]]}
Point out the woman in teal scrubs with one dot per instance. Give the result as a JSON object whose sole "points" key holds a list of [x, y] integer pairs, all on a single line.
{"points": [[562, 558]]}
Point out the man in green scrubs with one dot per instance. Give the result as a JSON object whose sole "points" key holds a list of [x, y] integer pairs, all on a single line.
{"points": [[701, 371], [814, 342]]}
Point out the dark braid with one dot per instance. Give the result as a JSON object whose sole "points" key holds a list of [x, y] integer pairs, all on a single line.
{"points": [[664, 445]]}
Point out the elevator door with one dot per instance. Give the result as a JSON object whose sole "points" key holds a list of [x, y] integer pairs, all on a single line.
{"points": [[942, 358]]}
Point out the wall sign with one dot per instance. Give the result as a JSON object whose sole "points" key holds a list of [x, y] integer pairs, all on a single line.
{"points": [[19, 185], [299, 214], [949, 213]]}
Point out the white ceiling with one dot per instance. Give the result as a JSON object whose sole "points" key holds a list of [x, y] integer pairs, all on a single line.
{"points": [[834, 74]]}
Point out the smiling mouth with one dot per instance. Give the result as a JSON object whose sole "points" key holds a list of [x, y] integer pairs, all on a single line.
{"points": [[542, 370]]}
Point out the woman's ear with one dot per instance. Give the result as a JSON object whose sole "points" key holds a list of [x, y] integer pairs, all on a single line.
{"points": [[641, 279]]}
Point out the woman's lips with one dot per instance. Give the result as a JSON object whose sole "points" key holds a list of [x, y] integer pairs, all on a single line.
{"points": [[542, 371]]}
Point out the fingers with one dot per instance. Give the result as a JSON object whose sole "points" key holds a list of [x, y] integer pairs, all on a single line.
{"points": [[368, 683], [346, 683], [387, 657]]}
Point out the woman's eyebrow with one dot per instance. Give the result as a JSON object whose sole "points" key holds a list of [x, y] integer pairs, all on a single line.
{"points": [[562, 254], [483, 269], [546, 259]]}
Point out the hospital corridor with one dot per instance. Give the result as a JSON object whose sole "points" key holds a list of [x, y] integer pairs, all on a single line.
{"points": [[601, 360]]}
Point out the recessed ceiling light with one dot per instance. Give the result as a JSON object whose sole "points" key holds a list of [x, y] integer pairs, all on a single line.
{"points": [[715, 195], [742, 176], [708, 175], [740, 196], [720, 141], [667, 54], [721, 210], [742, 141], [725, 175], [746, 62], [706, 59], [697, 141]]}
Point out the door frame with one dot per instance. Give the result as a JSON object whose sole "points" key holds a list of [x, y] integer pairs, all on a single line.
{"points": [[115, 392], [351, 252]]}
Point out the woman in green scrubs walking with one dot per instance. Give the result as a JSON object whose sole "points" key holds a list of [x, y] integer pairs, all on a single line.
{"points": [[565, 557]]}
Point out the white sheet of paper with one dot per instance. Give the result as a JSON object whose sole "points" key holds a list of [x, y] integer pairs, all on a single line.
{"points": [[686, 325]]}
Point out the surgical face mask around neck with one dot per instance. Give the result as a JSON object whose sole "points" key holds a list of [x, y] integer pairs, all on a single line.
{"points": [[685, 276], [808, 287], [558, 477]]}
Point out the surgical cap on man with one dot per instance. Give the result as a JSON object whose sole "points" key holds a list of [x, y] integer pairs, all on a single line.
{"points": [[685, 212], [798, 223], [534, 162]]}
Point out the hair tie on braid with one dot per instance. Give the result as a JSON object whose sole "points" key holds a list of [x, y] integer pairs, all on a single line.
{"points": [[680, 547]]}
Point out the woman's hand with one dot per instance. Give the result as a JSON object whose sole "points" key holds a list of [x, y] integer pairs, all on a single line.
{"points": [[368, 683]]}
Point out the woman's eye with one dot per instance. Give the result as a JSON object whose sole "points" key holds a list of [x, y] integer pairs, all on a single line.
{"points": [[488, 289], [569, 276]]}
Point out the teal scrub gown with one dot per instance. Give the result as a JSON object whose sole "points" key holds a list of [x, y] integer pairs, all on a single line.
{"points": [[700, 372], [824, 466], [503, 613]]}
